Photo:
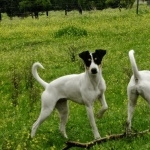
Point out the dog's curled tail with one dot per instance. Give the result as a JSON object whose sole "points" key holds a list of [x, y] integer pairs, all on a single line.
{"points": [[35, 74], [134, 65]]}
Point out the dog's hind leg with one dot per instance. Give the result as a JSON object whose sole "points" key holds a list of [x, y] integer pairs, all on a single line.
{"points": [[132, 100], [48, 104], [104, 106], [144, 91], [62, 107]]}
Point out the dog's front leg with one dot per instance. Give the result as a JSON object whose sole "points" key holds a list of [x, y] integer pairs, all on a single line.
{"points": [[92, 121], [104, 106]]}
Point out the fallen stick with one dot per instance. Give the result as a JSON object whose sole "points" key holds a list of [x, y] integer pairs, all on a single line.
{"points": [[70, 144]]}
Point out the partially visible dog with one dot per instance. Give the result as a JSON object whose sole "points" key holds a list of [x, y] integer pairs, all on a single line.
{"points": [[82, 88], [139, 85]]}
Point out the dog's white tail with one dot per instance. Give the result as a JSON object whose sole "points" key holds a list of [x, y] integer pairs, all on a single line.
{"points": [[133, 64], [35, 74]]}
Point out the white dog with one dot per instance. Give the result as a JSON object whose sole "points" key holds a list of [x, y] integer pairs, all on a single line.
{"points": [[82, 88], [139, 85]]}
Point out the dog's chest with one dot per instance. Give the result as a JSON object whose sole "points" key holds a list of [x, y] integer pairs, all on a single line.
{"points": [[93, 95], [91, 92]]}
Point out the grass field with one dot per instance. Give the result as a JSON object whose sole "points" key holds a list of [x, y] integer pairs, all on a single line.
{"points": [[55, 42]]}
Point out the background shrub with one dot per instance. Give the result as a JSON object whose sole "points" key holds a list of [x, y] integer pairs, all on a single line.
{"points": [[71, 31]]}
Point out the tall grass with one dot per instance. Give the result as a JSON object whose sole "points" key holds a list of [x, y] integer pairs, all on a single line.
{"points": [[24, 41]]}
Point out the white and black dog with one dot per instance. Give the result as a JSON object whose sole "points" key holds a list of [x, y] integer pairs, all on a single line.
{"points": [[139, 85], [82, 88]]}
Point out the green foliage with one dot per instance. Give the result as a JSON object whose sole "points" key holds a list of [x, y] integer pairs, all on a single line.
{"points": [[71, 31], [127, 3], [120, 3], [113, 3], [31, 6], [26, 7], [24, 41]]}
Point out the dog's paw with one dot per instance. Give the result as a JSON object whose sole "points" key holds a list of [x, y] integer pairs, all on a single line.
{"points": [[64, 134], [128, 132], [99, 115], [97, 138]]}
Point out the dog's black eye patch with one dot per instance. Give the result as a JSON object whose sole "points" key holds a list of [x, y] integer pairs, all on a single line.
{"points": [[96, 59], [86, 58], [98, 55], [88, 61]]}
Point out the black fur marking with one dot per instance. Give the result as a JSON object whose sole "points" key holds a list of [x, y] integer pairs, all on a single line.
{"points": [[98, 55], [86, 58]]}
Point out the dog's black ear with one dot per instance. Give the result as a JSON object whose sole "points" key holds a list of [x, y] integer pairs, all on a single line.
{"points": [[100, 52], [84, 55], [98, 56]]}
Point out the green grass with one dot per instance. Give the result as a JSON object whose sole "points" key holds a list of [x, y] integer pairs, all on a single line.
{"points": [[24, 41]]}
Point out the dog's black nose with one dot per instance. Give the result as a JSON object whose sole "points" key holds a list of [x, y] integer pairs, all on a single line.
{"points": [[94, 70]]}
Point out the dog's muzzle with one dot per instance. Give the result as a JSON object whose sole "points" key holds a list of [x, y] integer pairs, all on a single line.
{"points": [[93, 70]]}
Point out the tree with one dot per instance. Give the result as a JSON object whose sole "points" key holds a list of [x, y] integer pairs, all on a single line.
{"points": [[58, 4], [34, 6], [0, 15], [2, 5], [11, 7], [26, 7], [127, 3], [100, 4], [112, 3], [71, 5]]}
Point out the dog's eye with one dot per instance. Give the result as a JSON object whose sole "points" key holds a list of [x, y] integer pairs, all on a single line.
{"points": [[89, 59], [95, 58]]}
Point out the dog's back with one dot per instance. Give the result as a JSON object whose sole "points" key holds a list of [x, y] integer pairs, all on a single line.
{"points": [[140, 81], [139, 85]]}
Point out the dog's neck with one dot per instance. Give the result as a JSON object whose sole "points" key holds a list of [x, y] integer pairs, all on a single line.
{"points": [[93, 79]]}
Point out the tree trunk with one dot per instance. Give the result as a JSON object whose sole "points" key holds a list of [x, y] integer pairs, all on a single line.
{"points": [[36, 14], [47, 13], [148, 2], [0, 16]]}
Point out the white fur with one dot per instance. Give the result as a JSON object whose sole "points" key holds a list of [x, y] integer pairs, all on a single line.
{"points": [[82, 88], [139, 85]]}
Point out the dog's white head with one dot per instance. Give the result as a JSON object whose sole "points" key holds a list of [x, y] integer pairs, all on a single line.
{"points": [[92, 61]]}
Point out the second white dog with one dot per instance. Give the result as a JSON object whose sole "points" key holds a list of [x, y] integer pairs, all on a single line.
{"points": [[82, 88], [139, 85]]}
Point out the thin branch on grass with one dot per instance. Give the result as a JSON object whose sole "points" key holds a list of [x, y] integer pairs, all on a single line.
{"points": [[70, 144]]}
